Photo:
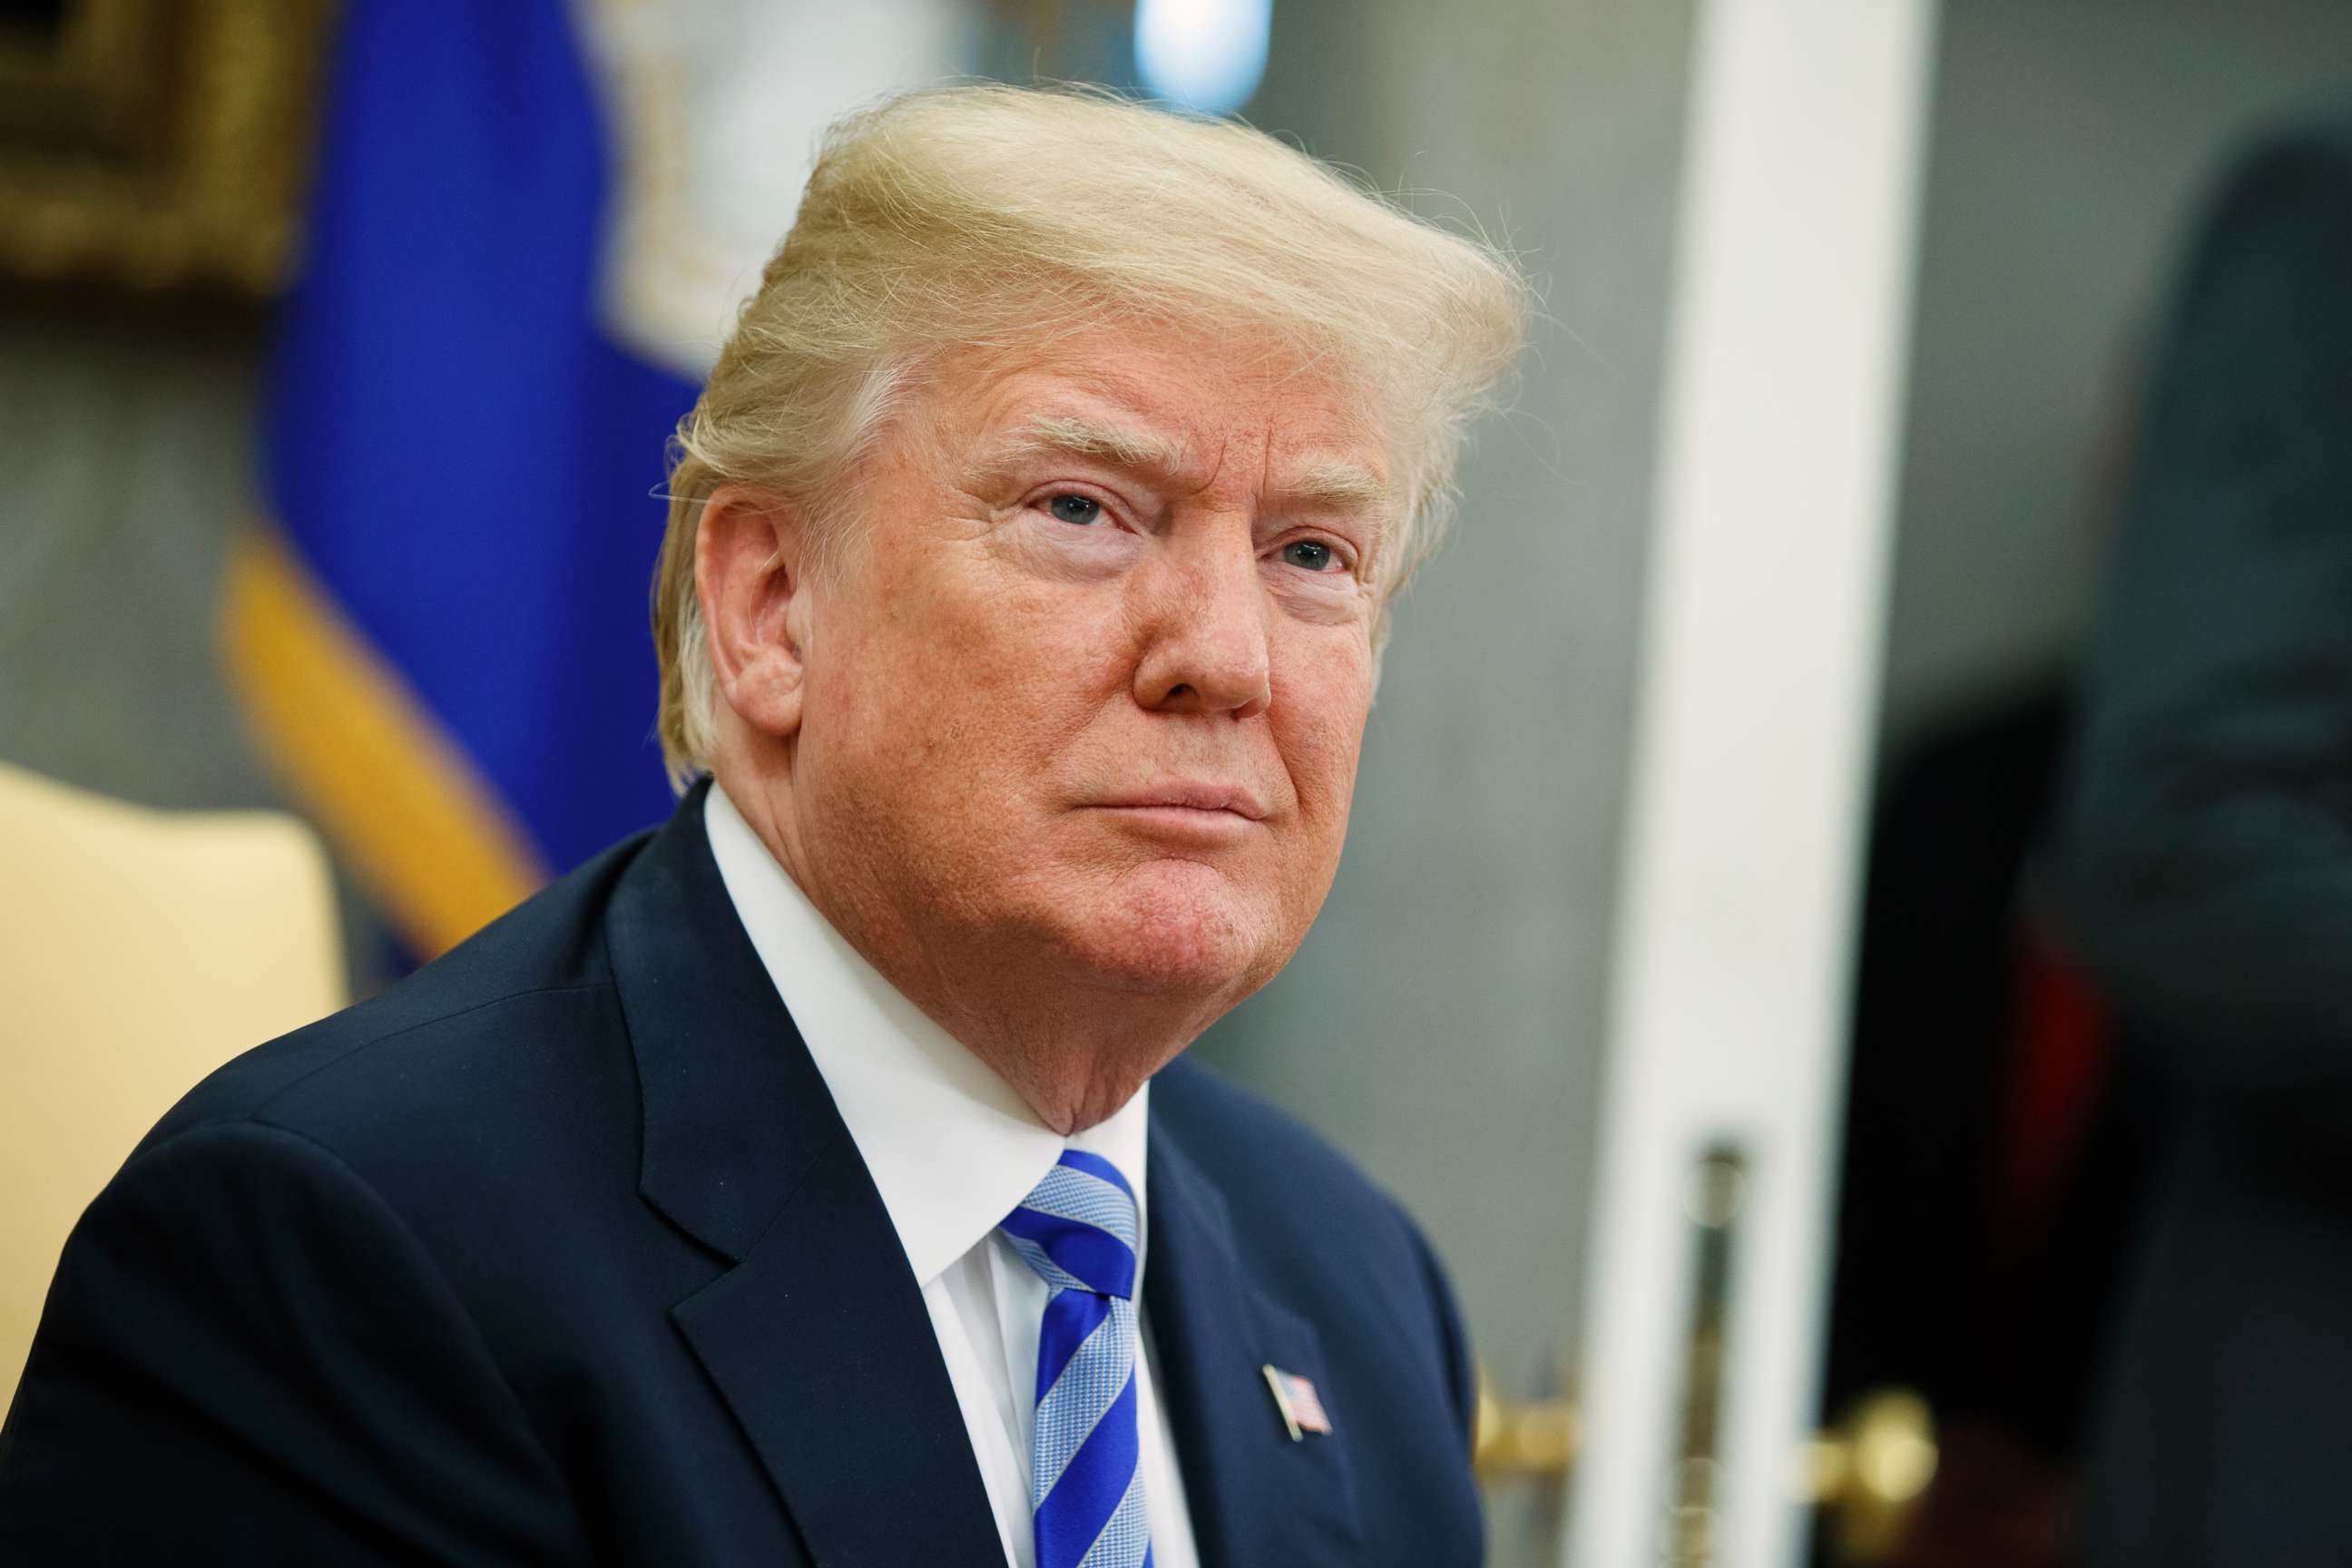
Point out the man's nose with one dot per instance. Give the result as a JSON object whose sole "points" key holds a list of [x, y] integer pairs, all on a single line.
{"points": [[1205, 614]]}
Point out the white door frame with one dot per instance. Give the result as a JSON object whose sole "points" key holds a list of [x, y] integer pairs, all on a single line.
{"points": [[1755, 713]]}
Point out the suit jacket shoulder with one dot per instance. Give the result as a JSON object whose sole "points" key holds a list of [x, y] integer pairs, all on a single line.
{"points": [[484, 997]]}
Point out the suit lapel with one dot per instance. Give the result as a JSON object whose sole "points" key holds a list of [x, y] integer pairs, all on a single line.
{"points": [[835, 1378], [817, 1337], [1254, 1495]]}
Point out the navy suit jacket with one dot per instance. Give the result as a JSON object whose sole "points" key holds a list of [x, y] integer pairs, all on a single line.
{"points": [[559, 1252]]}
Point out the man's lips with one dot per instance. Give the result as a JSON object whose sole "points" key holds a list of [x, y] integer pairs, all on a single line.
{"points": [[1190, 795]]}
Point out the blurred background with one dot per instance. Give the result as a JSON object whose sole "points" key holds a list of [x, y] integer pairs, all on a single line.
{"points": [[325, 328]]}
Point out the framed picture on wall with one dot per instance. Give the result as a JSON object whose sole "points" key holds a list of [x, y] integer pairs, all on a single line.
{"points": [[156, 145]]}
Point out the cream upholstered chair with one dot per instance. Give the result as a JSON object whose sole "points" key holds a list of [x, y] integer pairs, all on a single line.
{"points": [[139, 950]]}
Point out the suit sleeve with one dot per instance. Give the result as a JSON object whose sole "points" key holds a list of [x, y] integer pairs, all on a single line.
{"points": [[246, 1357], [2210, 844]]}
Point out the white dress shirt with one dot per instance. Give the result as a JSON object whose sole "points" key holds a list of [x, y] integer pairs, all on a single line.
{"points": [[953, 1151]]}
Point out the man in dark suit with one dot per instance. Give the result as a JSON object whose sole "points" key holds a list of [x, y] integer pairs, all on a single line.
{"points": [[2210, 870], [813, 1181]]}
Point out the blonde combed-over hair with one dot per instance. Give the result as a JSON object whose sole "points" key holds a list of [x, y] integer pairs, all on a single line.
{"points": [[991, 215]]}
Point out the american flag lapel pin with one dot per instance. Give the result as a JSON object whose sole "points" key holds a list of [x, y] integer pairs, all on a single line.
{"points": [[1294, 1396]]}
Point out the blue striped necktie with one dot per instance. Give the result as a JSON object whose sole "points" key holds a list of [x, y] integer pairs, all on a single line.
{"points": [[1078, 1229]]}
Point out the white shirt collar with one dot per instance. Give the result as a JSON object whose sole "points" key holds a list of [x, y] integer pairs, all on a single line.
{"points": [[951, 1147]]}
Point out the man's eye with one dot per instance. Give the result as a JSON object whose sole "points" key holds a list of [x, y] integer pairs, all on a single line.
{"points": [[1084, 511], [1308, 555]]}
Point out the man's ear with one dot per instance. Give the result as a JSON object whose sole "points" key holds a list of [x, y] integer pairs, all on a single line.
{"points": [[750, 561]]}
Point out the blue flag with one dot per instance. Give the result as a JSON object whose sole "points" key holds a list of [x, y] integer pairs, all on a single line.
{"points": [[439, 626]]}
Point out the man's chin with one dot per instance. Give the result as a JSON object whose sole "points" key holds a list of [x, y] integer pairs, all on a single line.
{"points": [[1180, 933]]}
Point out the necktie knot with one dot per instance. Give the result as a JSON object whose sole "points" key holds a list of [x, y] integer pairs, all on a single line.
{"points": [[1077, 1227]]}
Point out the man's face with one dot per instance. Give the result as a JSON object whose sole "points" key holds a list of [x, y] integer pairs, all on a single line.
{"points": [[1086, 688]]}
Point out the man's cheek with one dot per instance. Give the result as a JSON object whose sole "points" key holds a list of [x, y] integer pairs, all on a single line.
{"points": [[987, 640], [1322, 750]]}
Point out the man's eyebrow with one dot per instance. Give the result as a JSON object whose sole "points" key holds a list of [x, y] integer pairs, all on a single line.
{"points": [[1337, 484], [1058, 435], [1332, 483]]}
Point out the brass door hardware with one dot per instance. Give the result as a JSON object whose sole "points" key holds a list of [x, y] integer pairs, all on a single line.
{"points": [[1866, 1474]]}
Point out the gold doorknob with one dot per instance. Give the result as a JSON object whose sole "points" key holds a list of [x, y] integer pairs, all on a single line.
{"points": [[1537, 1438], [1866, 1474]]}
